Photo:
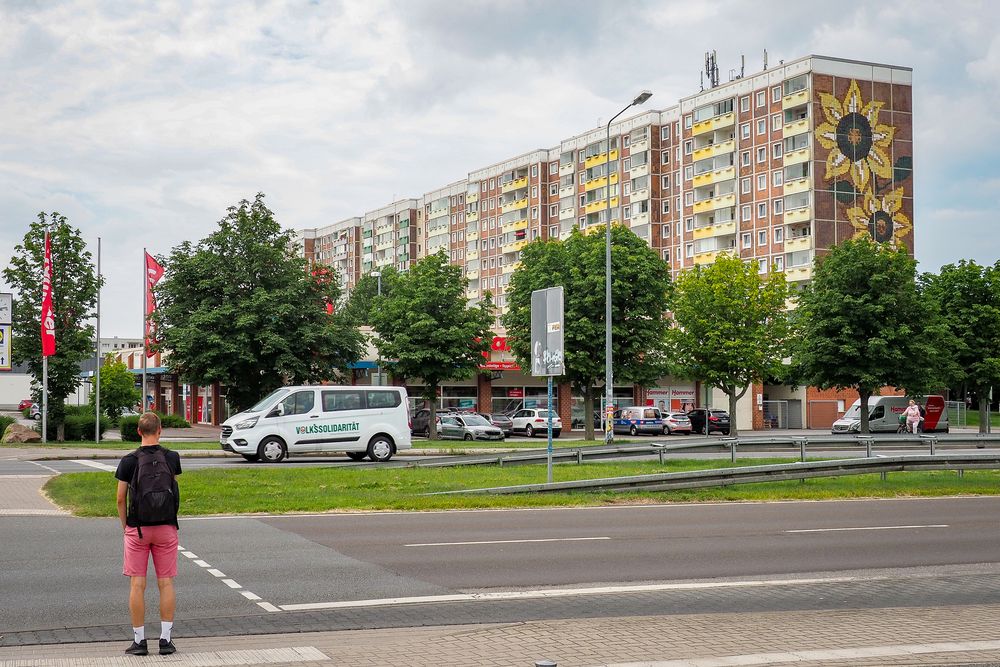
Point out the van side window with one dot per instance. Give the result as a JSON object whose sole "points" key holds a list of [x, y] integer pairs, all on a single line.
{"points": [[878, 413], [382, 399], [651, 414], [336, 401], [299, 403]]}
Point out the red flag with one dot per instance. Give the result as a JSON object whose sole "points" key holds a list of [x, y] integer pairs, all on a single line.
{"points": [[153, 274], [48, 317]]}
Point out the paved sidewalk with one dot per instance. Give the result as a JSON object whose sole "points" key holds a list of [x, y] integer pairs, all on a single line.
{"points": [[894, 636], [21, 495]]}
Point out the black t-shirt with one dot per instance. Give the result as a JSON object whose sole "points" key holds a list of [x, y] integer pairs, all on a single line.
{"points": [[126, 468]]}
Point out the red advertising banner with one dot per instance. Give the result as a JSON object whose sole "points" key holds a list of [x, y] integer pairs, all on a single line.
{"points": [[153, 274], [48, 316]]}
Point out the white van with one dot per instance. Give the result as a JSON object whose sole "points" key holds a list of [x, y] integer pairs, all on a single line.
{"points": [[361, 421], [884, 412]]}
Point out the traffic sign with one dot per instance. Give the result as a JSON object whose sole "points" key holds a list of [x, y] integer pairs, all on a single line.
{"points": [[5, 364]]}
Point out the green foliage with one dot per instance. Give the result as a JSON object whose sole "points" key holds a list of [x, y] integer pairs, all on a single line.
{"points": [[118, 390], [4, 423], [241, 308], [78, 424], [427, 330], [358, 306], [173, 421], [74, 297], [864, 324], [640, 289], [129, 427], [732, 327], [969, 298]]}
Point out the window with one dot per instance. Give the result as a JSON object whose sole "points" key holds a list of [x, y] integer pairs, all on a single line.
{"points": [[665, 182], [626, 212], [665, 133], [776, 122], [666, 206], [665, 157], [747, 240], [666, 230], [493, 184], [299, 403], [381, 399], [688, 198], [744, 186], [761, 125], [666, 254], [762, 267], [745, 103], [762, 209], [779, 263], [688, 172], [687, 121], [553, 167], [688, 224], [689, 250], [626, 189], [534, 213], [534, 191], [761, 181], [779, 206], [745, 131], [762, 154], [534, 170], [677, 228], [779, 234], [761, 98], [776, 151], [745, 159], [626, 140], [554, 190], [762, 237], [554, 210], [336, 401], [776, 178], [745, 212], [627, 164], [687, 147]]}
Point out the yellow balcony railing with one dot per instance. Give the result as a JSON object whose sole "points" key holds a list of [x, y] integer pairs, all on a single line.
{"points": [[798, 215], [471, 197], [706, 257], [723, 201], [796, 185], [796, 157], [516, 184], [706, 152], [514, 226], [796, 127], [796, 99], [797, 273], [600, 205], [717, 176], [600, 159], [712, 124], [510, 268], [471, 254], [472, 216], [599, 182], [720, 229], [514, 205], [798, 243]]}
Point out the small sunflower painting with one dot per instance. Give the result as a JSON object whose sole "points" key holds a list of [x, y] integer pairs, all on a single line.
{"points": [[859, 163]]}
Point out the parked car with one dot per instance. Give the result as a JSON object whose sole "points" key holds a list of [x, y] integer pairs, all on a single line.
{"points": [[35, 411], [467, 427], [717, 421], [533, 420], [24, 404], [420, 421], [501, 421], [676, 422], [638, 419]]}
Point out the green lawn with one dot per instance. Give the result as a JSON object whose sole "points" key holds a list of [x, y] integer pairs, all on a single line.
{"points": [[115, 445], [277, 489], [972, 419], [537, 443]]}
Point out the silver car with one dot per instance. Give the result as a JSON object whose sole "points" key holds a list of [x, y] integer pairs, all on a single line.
{"points": [[467, 427]]}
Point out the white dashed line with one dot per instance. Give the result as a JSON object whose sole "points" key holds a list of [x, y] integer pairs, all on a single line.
{"points": [[840, 530], [548, 539], [249, 596], [188, 554], [231, 583], [216, 573], [42, 465], [201, 563], [267, 606], [219, 574], [95, 464]]}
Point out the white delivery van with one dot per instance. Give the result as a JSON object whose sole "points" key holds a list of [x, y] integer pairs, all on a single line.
{"points": [[361, 421], [884, 412]]}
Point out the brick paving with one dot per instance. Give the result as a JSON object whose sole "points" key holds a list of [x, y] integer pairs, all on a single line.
{"points": [[22, 495]]}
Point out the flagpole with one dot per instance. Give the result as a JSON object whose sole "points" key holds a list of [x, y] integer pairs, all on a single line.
{"points": [[45, 361], [97, 368], [145, 324]]}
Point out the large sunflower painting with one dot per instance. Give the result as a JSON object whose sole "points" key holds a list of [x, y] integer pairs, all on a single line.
{"points": [[881, 217], [858, 144]]}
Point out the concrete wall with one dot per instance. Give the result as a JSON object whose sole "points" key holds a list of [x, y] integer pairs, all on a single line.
{"points": [[13, 388]]}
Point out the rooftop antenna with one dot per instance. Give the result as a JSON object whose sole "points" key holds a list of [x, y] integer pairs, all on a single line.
{"points": [[701, 76], [765, 59], [711, 69], [743, 62]]}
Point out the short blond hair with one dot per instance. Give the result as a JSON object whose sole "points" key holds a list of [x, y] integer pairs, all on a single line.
{"points": [[149, 423]]}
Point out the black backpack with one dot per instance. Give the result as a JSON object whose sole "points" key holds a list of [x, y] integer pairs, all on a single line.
{"points": [[153, 496]]}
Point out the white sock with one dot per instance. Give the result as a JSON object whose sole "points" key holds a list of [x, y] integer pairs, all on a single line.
{"points": [[140, 633], [165, 629]]}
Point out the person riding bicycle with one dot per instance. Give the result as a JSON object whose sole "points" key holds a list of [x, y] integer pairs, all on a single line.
{"points": [[912, 414]]}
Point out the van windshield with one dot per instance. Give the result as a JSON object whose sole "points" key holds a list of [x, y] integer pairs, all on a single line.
{"points": [[267, 400]]}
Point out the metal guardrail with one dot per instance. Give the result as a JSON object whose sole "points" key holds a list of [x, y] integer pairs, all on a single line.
{"points": [[754, 474], [800, 442]]}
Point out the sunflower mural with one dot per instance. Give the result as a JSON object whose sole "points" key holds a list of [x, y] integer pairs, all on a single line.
{"points": [[858, 161]]}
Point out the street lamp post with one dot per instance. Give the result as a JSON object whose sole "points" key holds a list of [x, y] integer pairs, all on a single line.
{"points": [[378, 276], [609, 431]]}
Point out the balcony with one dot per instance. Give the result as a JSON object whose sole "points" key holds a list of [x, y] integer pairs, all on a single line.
{"points": [[567, 191], [514, 205], [797, 98], [599, 205], [639, 195], [385, 245], [567, 213], [713, 150], [798, 273], [720, 229], [803, 214], [796, 185], [566, 169], [471, 197], [472, 217], [796, 127], [510, 268], [509, 227], [402, 240], [717, 176], [707, 257], [639, 171], [796, 157], [472, 274], [639, 146], [798, 243], [600, 159], [516, 184], [639, 219], [595, 183], [472, 234], [723, 201], [472, 293], [712, 124], [403, 224]]}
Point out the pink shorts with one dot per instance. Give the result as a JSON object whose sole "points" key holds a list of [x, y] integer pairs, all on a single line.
{"points": [[160, 541]]}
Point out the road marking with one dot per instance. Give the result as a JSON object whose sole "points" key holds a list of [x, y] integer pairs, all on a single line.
{"points": [[846, 654], [267, 606], [267, 656], [249, 596], [216, 573], [201, 563], [95, 464], [551, 539], [562, 592], [42, 465], [840, 530], [25, 476], [33, 513], [231, 583], [187, 554]]}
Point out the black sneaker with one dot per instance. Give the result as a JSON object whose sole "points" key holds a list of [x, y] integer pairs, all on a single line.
{"points": [[138, 648], [167, 647]]}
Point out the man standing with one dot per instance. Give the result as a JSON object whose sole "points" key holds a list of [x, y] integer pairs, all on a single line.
{"points": [[148, 501]]}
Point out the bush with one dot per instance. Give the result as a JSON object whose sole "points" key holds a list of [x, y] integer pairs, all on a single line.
{"points": [[173, 421], [4, 423], [130, 429], [79, 426]]}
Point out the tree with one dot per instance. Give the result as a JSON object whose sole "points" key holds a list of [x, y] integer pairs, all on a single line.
{"points": [[426, 329], [864, 324], [969, 297], [732, 326], [74, 297], [357, 308], [118, 390], [241, 308], [640, 286]]}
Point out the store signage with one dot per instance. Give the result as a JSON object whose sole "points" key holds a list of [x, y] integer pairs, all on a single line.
{"points": [[7, 308], [547, 332], [5, 364], [500, 366], [515, 393]]}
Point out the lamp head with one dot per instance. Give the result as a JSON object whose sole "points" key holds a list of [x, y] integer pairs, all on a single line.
{"points": [[641, 97]]}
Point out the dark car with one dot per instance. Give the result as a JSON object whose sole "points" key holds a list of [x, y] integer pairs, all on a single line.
{"points": [[717, 421], [420, 423], [501, 421]]}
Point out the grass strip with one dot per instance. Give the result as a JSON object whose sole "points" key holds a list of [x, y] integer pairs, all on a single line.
{"points": [[113, 445], [276, 489], [536, 443]]}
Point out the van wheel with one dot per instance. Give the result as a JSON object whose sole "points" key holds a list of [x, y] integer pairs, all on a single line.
{"points": [[381, 448], [271, 450], [633, 430], [468, 436], [529, 432], [252, 458], [357, 456]]}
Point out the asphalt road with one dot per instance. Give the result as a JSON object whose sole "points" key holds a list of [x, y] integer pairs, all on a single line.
{"points": [[58, 572]]}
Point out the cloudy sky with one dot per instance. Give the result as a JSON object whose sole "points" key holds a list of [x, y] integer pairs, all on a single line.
{"points": [[143, 121]]}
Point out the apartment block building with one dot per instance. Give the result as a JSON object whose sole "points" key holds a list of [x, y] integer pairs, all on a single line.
{"points": [[776, 166]]}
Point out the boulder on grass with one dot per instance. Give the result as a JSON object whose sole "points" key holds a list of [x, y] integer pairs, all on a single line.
{"points": [[18, 433]]}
